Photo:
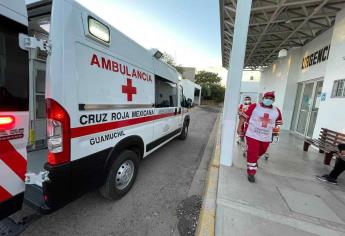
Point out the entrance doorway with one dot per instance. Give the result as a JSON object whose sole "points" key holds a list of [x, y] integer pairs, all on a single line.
{"points": [[306, 107]]}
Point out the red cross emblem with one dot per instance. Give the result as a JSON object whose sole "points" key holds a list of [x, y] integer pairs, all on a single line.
{"points": [[265, 120], [129, 89]]}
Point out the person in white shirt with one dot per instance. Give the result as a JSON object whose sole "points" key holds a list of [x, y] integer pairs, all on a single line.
{"points": [[262, 118]]}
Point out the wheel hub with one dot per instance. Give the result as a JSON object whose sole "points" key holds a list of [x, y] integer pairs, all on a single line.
{"points": [[124, 174]]}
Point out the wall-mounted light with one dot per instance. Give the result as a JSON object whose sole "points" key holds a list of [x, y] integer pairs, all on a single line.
{"points": [[282, 53]]}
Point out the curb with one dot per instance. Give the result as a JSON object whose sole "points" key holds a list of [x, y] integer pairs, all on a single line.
{"points": [[206, 224]]}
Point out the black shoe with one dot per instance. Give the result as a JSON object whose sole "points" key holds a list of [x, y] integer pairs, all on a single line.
{"points": [[327, 178], [251, 178]]}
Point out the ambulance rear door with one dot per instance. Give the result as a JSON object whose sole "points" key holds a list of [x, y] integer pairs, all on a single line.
{"points": [[14, 105]]}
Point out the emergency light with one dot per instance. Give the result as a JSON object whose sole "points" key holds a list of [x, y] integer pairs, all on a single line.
{"points": [[99, 30], [158, 54], [7, 122]]}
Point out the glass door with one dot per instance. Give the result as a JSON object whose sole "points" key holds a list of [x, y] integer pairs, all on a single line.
{"points": [[305, 108], [297, 106], [315, 108]]}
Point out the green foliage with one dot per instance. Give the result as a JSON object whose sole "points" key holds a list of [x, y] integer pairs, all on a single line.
{"points": [[179, 69], [167, 58], [205, 77], [211, 87], [217, 93]]}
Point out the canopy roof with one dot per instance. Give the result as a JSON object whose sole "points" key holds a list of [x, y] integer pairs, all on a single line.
{"points": [[276, 25]]}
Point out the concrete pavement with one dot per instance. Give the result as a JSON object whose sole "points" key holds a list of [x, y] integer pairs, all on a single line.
{"points": [[286, 198], [150, 208]]}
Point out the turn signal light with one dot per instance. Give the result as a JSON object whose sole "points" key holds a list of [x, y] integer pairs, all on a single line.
{"points": [[7, 122]]}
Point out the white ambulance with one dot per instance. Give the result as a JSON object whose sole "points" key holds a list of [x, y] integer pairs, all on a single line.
{"points": [[106, 103]]}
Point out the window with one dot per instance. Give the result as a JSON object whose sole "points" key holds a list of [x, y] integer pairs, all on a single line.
{"points": [[40, 94], [338, 88], [99, 30], [40, 107], [14, 68], [196, 92], [166, 93], [40, 81]]}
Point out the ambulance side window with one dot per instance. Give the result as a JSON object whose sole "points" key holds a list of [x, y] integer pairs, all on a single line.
{"points": [[165, 93], [14, 68]]}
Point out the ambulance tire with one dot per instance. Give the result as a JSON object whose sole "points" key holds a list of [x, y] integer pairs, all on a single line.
{"points": [[184, 132], [111, 189]]}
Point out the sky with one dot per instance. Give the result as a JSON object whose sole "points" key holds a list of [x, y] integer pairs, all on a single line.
{"points": [[189, 30]]}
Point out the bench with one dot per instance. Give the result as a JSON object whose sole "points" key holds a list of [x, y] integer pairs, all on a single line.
{"points": [[327, 143]]}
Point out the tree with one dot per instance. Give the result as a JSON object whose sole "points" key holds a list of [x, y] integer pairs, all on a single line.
{"points": [[205, 77], [211, 87], [167, 58]]}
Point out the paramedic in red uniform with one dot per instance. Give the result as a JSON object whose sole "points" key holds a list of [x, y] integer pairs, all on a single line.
{"points": [[246, 103], [262, 118], [243, 108]]}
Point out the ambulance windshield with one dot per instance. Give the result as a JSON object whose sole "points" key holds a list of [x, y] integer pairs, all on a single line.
{"points": [[14, 68]]}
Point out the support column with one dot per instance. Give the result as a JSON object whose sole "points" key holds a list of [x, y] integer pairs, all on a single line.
{"points": [[233, 85]]}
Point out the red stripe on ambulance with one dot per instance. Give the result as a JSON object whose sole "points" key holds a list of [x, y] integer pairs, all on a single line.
{"points": [[10, 156], [4, 195], [92, 129]]}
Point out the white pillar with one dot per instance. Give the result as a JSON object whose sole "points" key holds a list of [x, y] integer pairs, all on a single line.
{"points": [[233, 85]]}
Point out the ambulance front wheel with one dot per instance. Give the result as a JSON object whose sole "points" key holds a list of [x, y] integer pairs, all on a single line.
{"points": [[121, 176], [184, 132]]}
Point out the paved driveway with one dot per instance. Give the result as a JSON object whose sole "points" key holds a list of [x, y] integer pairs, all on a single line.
{"points": [[150, 207]]}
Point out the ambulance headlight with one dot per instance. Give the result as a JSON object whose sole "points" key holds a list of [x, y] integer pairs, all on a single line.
{"points": [[99, 30]]}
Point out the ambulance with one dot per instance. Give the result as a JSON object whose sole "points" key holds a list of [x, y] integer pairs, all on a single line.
{"points": [[81, 105]]}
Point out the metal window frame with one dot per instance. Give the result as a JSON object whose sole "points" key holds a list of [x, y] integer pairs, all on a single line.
{"points": [[336, 87]]}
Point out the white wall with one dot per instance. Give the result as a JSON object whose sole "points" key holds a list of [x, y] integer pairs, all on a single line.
{"points": [[285, 73], [332, 113], [249, 88], [248, 74], [189, 89], [294, 62], [189, 73], [250, 85], [274, 78]]}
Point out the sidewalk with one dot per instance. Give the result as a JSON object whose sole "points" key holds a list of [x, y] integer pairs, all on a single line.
{"points": [[286, 198]]}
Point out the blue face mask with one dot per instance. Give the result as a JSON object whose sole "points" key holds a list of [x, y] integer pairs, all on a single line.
{"points": [[267, 102]]}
